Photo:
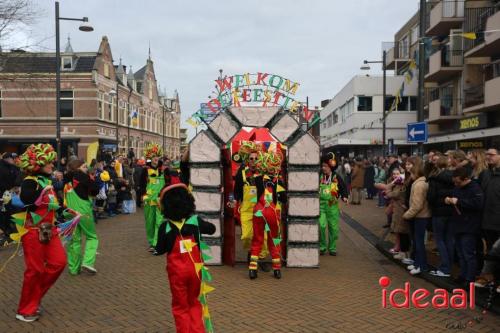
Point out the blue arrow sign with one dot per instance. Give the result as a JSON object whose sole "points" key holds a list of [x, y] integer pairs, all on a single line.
{"points": [[416, 132]]}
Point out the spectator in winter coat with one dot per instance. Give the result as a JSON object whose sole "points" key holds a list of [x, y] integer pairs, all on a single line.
{"points": [[491, 217], [369, 180], [380, 178], [357, 182], [467, 201], [10, 178], [420, 213], [441, 186]]}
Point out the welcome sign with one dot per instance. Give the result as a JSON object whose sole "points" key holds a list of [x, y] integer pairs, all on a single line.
{"points": [[260, 89]]}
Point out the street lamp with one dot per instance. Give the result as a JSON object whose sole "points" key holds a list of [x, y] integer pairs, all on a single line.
{"points": [[114, 93], [366, 66], [86, 27]]}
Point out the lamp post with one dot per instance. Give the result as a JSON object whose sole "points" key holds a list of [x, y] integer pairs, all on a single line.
{"points": [[114, 93], [384, 93], [86, 27]]}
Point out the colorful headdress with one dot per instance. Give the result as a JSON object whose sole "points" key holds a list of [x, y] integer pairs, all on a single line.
{"points": [[247, 148], [36, 157], [153, 150], [330, 160], [269, 163]]}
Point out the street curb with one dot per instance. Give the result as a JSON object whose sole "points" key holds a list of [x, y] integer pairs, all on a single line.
{"points": [[384, 246]]}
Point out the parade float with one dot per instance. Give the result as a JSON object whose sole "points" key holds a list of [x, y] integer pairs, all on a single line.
{"points": [[261, 108]]}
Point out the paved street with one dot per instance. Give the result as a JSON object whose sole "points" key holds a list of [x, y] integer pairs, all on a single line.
{"points": [[131, 294]]}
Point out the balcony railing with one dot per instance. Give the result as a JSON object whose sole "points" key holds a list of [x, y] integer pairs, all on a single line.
{"points": [[475, 21], [474, 95], [451, 58], [491, 71], [447, 102]]}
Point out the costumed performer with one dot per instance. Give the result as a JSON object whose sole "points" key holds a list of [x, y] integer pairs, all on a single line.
{"points": [[267, 212], [152, 181], [44, 253], [77, 191], [331, 189], [245, 194], [180, 238]]}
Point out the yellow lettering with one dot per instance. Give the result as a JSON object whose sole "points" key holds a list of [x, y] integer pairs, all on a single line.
{"points": [[291, 88]]}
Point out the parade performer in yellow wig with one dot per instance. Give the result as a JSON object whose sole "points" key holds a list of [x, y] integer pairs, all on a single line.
{"points": [[44, 254], [267, 212], [245, 192], [152, 181], [331, 189]]}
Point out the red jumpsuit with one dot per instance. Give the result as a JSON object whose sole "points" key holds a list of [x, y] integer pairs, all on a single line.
{"points": [[185, 287], [44, 262], [272, 215]]}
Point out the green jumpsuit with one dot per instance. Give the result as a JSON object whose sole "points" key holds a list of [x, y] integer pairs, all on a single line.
{"points": [[86, 227], [152, 212], [329, 213]]}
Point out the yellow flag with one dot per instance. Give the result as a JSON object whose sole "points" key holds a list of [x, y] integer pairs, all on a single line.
{"points": [[92, 151], [206, 314], [205, 289], [198, 266], [413, 65], [16, 237], [469, 35], [192, 122]]}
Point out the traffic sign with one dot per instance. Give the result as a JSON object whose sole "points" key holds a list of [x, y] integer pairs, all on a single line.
{"points": [[416, 132]]}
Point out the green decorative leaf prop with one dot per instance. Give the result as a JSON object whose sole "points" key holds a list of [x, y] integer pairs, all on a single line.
{"points": [[258, 213], [205, 275], [206, 257], [276, 241], [253, 200], [266, 228], [36, 218], [204, 246]]}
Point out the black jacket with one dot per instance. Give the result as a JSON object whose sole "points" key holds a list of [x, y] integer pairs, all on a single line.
{"points": [[9, 176], [166, 240], [238, 183], [491, 211], [440, 187], [82, 184], [470, 204], [369, 176]]}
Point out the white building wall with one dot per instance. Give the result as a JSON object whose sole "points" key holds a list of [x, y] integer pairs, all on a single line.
{"points": [[351, 131]]}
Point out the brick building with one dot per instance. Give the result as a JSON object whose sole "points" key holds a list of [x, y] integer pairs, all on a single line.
{"points": [[100, 102]]}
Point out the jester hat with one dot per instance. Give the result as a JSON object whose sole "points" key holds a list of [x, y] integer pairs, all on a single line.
{"points": [[329, 159], [36, 157], [269, 163], [153, 150], [247, 148]]}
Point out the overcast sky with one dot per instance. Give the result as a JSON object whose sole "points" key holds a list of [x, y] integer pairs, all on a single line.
{"points": [[318, 43]]}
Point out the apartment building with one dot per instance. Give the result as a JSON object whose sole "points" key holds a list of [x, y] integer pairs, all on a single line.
{"points": [[350, 122], [462, 80], [100, 101]]}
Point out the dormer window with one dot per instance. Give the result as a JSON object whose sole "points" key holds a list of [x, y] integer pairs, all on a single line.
{"points": [[67, 63]]}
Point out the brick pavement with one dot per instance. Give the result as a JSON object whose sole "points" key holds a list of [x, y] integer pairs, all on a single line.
{"points": [[130, 293]]}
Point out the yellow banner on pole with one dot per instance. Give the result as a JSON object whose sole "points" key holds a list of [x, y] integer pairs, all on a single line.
{"points": [[92, 151]]}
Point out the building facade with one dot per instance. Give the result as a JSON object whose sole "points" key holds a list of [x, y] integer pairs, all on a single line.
{"points": [[100, 102], [351, 121], [462, 100]]}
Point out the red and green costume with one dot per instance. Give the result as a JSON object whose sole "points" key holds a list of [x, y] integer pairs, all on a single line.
{"points": [[187, 274]]}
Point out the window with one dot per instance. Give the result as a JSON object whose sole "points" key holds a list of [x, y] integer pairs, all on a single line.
{"points": [[67, 63], [406, 103], [150, 90], [66, 103], [1, 102], [413, 103], [365, 103], [404, 48], [414, 34], [106, 70], [110, 107], [335, 117]]}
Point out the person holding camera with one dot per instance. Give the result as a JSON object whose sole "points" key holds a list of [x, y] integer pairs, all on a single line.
{"points": [[44, 253]]}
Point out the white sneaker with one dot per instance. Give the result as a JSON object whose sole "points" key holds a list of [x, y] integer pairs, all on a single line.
{"points": [[401, 256], [498, 289], [89, 270], [439, 273], [415, 271], [411, 267], [408, 261], [27, 318]]}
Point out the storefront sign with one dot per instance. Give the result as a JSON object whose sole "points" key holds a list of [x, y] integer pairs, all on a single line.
{"points": [[472, 123], [471, 144]]}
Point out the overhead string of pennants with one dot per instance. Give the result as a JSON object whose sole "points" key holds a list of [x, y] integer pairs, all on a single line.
{"points": [[412, 72]]}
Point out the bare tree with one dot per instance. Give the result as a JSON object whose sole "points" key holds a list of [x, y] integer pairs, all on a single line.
{"points": [[14, 14]]}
